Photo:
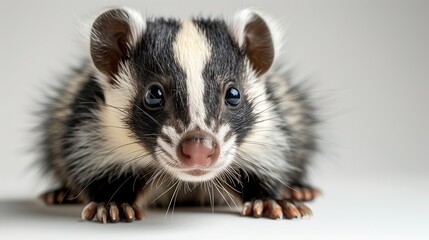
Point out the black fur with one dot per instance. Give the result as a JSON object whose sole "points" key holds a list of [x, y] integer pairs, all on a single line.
{"points": [[224, 69], [89, 98], [254, 187], [153, 60], [121, 189]]}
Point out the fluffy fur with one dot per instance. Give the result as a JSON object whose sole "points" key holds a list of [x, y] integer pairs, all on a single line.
{"points": [[101, 141]]}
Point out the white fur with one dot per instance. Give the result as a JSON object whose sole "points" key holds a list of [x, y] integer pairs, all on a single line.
{"points": [[253, 154], [192, 51], [118, 100], [137, 25], [114, 128]]}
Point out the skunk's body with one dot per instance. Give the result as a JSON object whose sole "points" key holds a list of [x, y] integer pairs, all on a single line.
{"points": [[197, 111]]}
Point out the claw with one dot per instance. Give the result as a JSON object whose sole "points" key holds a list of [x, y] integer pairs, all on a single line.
{"points": [[307, 194], [305, 211], [274, 210], [61, 196], [297, 193], [316, 192], [290, 211], [50, 198], [102, 213], [89, 211], [247, 209], [113, 213], [138, 213], [300, 193], [286, 194], [128, 212], [258, 207]]}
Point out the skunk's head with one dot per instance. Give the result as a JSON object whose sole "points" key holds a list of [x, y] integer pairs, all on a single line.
{"points": [[185, 93]]}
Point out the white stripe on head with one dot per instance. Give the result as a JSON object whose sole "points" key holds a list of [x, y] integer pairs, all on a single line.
{"points": [[192, 51]]}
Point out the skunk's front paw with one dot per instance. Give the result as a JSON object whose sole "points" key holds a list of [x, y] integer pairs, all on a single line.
{"points": [[300, 193], [111, 212], [276, 209], [61, 196]]}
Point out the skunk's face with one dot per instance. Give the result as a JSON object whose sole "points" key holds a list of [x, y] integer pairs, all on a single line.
{"points": [[188, 83], [190, 104]]}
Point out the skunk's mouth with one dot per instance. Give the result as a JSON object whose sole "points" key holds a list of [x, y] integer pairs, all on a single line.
{"points": [[197, 172], [193, 171], [194, 174]]}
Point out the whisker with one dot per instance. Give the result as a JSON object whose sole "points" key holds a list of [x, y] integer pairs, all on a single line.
{"points": [[171, 199], [217, 189], [168, 189], [260, 167], [227, 192]]}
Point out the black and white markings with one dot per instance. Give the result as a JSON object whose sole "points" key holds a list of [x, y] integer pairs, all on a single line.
{"points": [[158, 87]]}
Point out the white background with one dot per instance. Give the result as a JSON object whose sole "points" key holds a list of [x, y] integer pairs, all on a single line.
{"points": [[369, 61]]}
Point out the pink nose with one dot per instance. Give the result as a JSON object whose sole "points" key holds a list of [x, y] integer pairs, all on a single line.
{"points": [[198, 150]]}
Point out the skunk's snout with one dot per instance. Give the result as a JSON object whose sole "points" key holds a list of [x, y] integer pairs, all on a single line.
{"points": [[198, 149]]}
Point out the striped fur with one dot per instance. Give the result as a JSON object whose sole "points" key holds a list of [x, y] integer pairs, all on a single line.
{"points": [[96, 131]]}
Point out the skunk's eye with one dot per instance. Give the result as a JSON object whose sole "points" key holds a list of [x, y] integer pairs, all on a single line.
{"points": [[154, 97], [232, 97]]}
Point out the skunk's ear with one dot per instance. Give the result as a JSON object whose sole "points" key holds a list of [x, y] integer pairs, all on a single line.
{"points": [[254, 35], [114, 34]]}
